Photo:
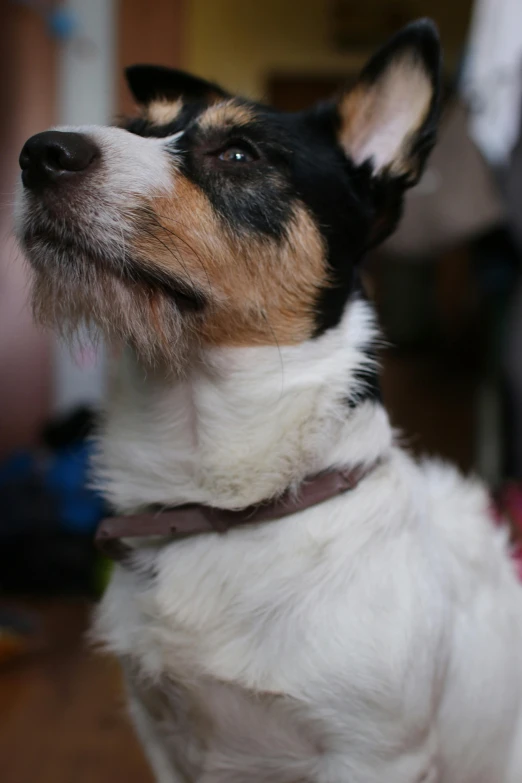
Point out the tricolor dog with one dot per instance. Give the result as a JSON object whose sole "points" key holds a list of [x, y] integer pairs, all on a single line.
{"points": [[326, 633]]}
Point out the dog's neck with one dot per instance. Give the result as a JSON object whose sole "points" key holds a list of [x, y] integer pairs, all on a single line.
{"points": [[244, 423]]}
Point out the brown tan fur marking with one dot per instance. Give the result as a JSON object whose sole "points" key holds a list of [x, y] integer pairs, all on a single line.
{"points": [[260, 291], [226, 114], [162, 112]]}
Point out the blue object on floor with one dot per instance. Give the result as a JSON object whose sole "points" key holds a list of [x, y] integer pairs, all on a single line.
{"points": [[62, 476], [67, 476]]}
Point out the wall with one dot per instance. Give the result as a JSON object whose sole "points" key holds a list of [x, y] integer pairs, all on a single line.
{"points": [[240, 42], [237, 42], [148, 32], [27, 97]]}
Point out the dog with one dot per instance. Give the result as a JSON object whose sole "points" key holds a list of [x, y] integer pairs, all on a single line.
{"points": [[365, 633]]}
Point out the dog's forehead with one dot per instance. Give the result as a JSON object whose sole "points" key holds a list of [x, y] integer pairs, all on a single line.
{"points": [[223, 113], [226, 114], [163, 117]]}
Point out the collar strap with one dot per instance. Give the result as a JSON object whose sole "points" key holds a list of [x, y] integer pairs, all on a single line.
{"points": [[194, 519]]}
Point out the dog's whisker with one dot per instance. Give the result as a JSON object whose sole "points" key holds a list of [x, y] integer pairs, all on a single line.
{"points": [[177, 257], [155, 217]]}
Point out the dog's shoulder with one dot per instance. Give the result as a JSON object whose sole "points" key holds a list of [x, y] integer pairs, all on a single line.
{"points": [[474, 542]]}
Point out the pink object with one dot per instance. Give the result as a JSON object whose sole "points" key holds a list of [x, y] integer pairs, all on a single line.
{"points": [[517, 557], [511, 503], [508, 508]]}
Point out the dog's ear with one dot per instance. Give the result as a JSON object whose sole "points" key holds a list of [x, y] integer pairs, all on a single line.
{"points": [[388, 120], [155, 82]]}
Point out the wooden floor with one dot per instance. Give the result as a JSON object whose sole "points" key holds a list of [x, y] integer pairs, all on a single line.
{"points": [[62, 715]]}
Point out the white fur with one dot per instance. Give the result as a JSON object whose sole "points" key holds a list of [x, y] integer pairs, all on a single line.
{"points": [[134, 164], [229, 436], [376, 637]]}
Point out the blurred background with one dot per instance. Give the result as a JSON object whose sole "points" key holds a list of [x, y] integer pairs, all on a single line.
{"points": [[447, 286]]}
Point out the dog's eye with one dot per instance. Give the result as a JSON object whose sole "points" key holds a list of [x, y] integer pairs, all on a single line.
{"points": [[238, 154]]}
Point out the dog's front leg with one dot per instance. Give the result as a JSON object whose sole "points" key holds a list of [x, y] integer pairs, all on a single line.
{"points": [[152, 743], [148, 725]]}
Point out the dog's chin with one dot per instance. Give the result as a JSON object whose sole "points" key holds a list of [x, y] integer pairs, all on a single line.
{"points": [[125, 303]]}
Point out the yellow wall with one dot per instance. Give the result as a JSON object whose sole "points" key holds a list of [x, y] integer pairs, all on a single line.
{"points": [[239, 42]]}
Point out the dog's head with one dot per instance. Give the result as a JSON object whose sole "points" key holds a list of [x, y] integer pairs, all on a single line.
{"points": [[212, 220]]}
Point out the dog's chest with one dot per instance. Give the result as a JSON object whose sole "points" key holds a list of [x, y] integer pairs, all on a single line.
{"points": [[267, 645]]}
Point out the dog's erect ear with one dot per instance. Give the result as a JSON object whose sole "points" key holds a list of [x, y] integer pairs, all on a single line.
{"points": [[155, 82], [389, 118]]}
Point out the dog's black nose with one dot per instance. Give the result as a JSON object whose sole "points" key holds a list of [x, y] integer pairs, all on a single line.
{"points": [[50, 156]]}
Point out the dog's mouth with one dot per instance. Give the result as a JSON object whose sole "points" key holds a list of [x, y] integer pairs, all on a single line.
{"points": [[48, 246]]}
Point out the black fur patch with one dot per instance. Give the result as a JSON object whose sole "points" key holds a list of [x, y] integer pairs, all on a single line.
{"points": [[255, 197], [150, 82]]}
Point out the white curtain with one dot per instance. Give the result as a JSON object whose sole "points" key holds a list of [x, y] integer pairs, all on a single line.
{"points": [[492, 78]]}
